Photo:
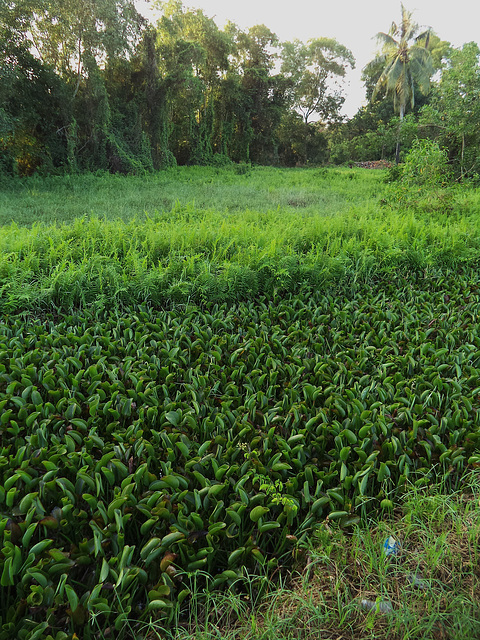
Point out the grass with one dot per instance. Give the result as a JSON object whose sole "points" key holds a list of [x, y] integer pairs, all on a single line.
{"points": [[432, 586], [204, 234], [53, 200]]}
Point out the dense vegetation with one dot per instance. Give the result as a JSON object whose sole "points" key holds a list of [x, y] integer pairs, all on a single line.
{"points": [[188, 393], [352, 230], [141, 449], [208, 373], [87, 86]]}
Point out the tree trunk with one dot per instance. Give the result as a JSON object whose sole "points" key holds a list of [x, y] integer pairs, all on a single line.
{"points": [[397, 152]]}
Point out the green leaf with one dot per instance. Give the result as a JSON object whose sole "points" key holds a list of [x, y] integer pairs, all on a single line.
{"points": [[257, 513], [173, 417]]}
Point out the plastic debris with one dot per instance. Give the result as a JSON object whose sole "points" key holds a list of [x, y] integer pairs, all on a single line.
{"points": [[381, 606], [416, 580], [391, 547]]}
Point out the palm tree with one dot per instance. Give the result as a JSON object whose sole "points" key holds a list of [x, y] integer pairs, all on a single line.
{"points": [[406, 63]]}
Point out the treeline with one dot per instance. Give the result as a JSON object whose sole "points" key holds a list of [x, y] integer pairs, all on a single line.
{"points": [[90, 85], [449, 114]]}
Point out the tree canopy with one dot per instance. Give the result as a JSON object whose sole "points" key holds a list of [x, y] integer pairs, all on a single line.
{"points": [[87, 86]]}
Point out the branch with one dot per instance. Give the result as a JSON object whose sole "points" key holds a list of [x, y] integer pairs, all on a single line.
{"points": [[78, 68]]}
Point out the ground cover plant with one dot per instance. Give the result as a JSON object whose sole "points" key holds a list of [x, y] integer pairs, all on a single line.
{"points": [[139, 450], [189, 399], [346, 587]]}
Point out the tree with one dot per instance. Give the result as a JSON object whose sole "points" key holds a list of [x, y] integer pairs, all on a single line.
{"points": [[454, 115], [264, 93], [193, 58], [32, 99], [406, 63], [301, 143], [66, 34], [314, 70], [60, 53]]}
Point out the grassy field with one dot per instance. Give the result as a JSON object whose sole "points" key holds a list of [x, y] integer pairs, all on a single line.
{"points": [[197, 234], [221, 391], [235, 190]]}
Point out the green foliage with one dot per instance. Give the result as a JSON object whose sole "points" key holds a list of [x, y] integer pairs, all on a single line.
{"points": [[217, 234], [406, 61], [437, 529], [249, 234], [426, 165], [366, 138], [106, 92], [301, 143], [312, 69], [454, 114], [187, 395], [424, 179], [140, 450]]}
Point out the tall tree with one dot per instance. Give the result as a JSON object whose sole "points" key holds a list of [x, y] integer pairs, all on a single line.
{"points": [[32, 101], [314, 70], [66, 34], [193, 58], [264, 92], [406, 61], [72, 44]]}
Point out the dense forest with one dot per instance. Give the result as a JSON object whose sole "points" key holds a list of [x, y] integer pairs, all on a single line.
{"points": [[92, 86]]}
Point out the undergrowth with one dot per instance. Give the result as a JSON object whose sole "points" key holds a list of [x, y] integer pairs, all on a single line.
{"points": [[432, 588], [214, 382]]}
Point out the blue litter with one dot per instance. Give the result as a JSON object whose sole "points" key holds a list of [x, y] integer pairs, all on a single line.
{"points": [[380, 606], [391, 546]]}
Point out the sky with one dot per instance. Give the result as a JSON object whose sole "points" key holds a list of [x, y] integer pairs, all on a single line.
{"points": [[353, 23]]}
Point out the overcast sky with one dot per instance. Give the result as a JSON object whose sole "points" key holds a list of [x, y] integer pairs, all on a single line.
{"points": [[352, 22]]}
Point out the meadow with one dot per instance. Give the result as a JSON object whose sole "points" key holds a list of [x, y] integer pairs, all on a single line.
{"points": [[221, 390], [198, 234]]}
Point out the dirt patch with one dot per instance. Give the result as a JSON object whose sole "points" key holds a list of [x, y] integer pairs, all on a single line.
{"points": [[373, 164]]}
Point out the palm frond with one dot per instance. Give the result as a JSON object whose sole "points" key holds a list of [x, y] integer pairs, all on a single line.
{"points": [[396, 75], [425, 35], [386, 39], [423, 56], [383, 79], [378, 60], [393, 29], [421, 69], [408, 26]]}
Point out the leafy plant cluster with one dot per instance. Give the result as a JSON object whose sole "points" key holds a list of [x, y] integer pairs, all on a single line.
{"points": [[144, 452], [424, 181]]}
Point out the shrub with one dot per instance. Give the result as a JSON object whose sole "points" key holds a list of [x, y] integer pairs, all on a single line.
{"points": [[425, 179]]}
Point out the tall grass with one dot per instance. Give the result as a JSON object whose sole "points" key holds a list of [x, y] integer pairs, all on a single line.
{"points": [[326, 226]]}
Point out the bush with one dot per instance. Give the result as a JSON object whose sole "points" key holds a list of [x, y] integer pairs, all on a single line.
{"points": [[424, 180]]}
